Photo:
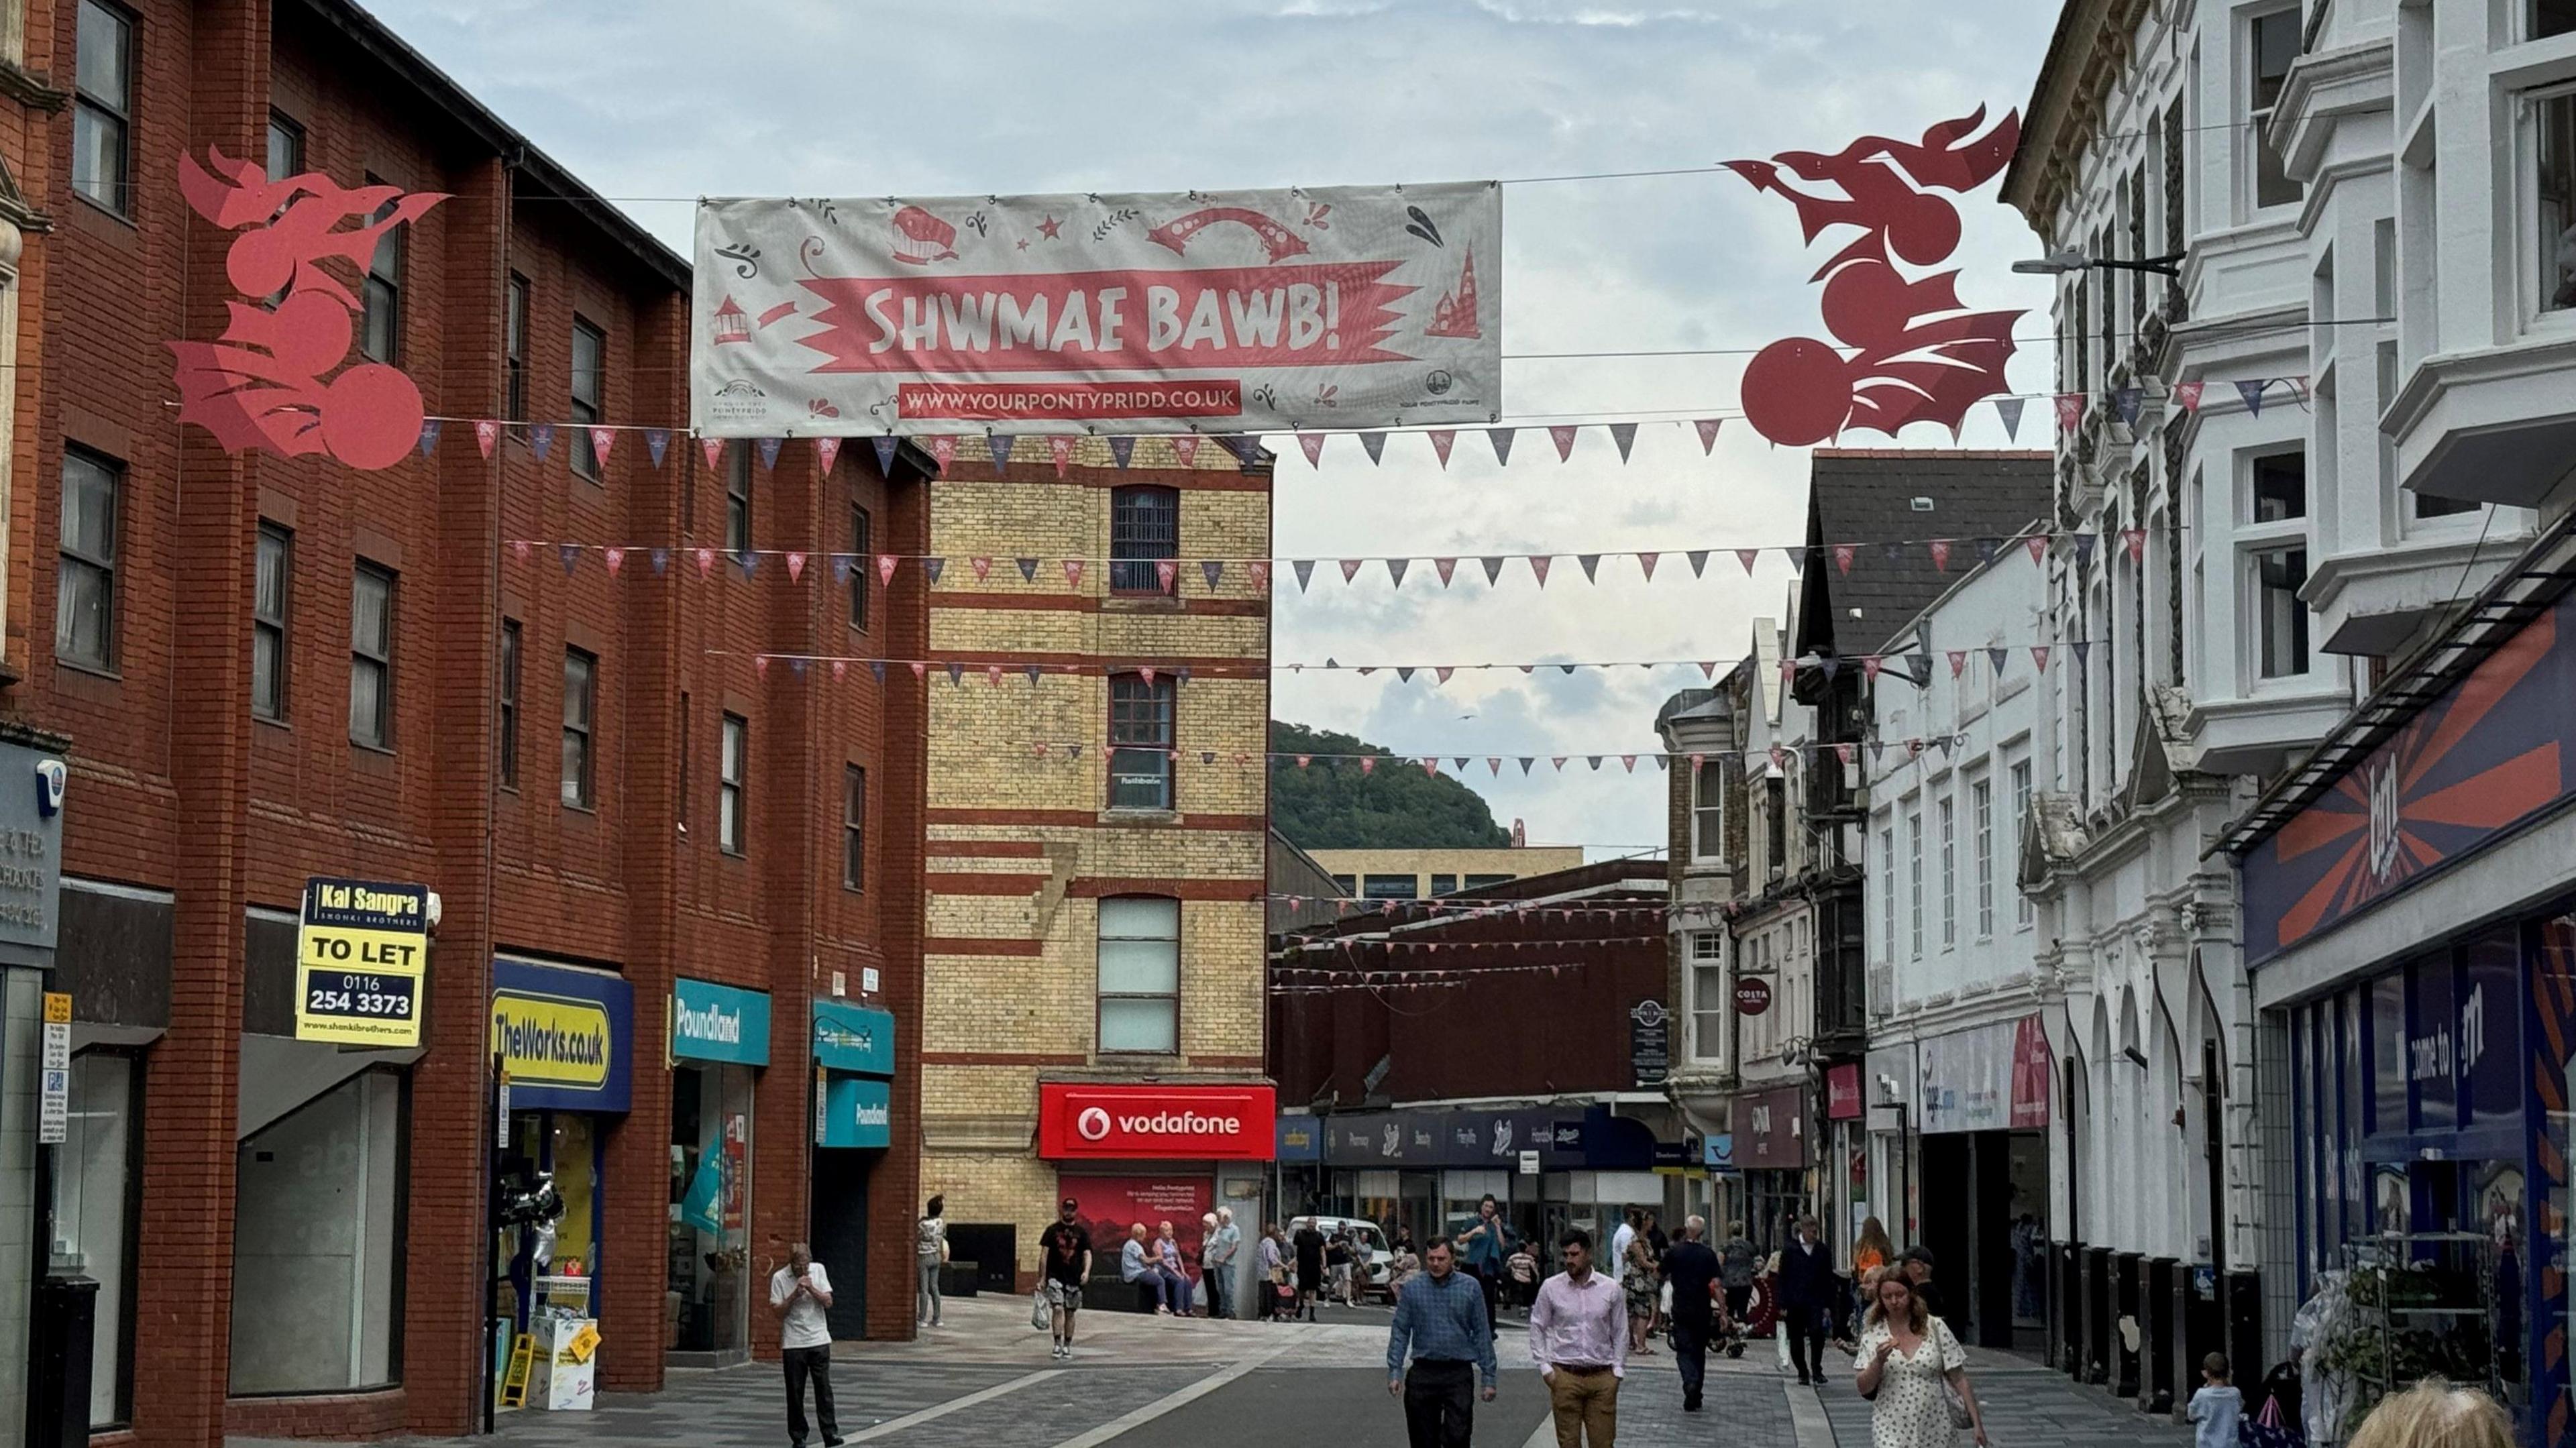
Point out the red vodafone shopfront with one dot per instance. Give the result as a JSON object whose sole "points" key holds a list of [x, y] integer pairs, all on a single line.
{"points": [[1156, 1154]]}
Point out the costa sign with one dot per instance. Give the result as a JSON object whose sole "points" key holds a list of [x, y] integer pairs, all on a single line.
{"points": [[1148, 1123], [1752, 995]]}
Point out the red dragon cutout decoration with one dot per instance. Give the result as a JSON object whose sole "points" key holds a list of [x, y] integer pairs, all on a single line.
{"points": [[260, 386], [1918, 355]]}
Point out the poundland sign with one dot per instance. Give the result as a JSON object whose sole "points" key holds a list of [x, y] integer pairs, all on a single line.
{"points": [[711, 1022], [1156, 1123]]}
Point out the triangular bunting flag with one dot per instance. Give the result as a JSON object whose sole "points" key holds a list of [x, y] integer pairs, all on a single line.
{"points": [[2186, 395], [1351, 568], [570, 553], [2008, 412], [1000, 446], [983, 568], [1212, 570], [1501, 438], [657, 442], [1625, 435], [1843, 752], [661, 561], [1375, 443], [429, 429], [706, 561], [1060, 452], [827, 451], [2125, 402], [1538, 568], [1919, 668], [1304, 568], [1708, 669], [1442, 439], [1368, 764], [1441, 672], [795, 567], [1185, 446], [1431, 766], [1591, 566], [1313, 443], [1032, 670], [1698, 561], [1028, 569], [1559, 761], [1958, 662], [1493, 570], [1395, 570], [1073, 572], [2037, 543], [1526, 761], [1564, 440], [769, 447], [1404, 673], [1708, 434], [1940, 548], [1444, 567], [2039, 657], [885, 568], [714, 448], [486, 434], [1166, 572], [2251, 389], [747, 560], [2070, 411], [541, 439], [1843, 553], [760, 665], [601, 440], [2083, 652], [1646, 561], [956, 675], [1122, 450], [614, 557], [1870, 664], [1494, 764], [1629, 761], [943, 449], [1259, 568], [2084, 544], [886, 449], [2135, 540], [1594, 760]]}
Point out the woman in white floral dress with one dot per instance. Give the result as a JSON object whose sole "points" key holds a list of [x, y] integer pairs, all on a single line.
{"points": [[1905, 1356]]}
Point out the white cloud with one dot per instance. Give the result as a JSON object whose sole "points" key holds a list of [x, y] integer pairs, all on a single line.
{"points": [[660, 98]]}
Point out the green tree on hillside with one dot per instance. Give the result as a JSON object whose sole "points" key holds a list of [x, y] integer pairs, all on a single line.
{"points": [[1396, 806]]}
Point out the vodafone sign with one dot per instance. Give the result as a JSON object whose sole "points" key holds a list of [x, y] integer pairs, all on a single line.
{"points": [[1149, 1123]]}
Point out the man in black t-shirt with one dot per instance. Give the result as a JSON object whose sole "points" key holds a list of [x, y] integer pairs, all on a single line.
{"points": [[1310, 1267], [1693, 1271], [1064, 1260]]}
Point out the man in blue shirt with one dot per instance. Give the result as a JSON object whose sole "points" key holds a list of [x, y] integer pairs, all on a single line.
{"points": [[1485, 1246], [1441, 1318]]}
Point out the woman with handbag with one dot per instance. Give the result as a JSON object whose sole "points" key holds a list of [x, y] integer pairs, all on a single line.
{"points": [[1914, 1373]]}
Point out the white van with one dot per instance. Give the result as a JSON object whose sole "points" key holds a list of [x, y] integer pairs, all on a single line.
{"points": [[1371, 1241]]}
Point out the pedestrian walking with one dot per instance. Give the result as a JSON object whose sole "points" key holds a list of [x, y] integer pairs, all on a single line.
{"points": [[1064, 1258], [1578, 1337], [1737, 1261], [1274, 1271], [1176, 1277], [1310, 1269], [1337, 1263], [1806, 1300], [2217, 1408], [1641, 1284], [1484, 1247], [1406, 1267], [1621, 1236], [801, 1293], [1906, 1355], [1442, 1322], [1223, 1251], [1692, 1269], [1916, 1264], [929, 1255], [1522, 1270]]}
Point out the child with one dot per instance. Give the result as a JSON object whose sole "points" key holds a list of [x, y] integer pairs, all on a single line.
{"points": [[2216, 1408]]}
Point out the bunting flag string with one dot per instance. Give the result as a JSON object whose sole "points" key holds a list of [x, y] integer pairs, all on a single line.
{"points": [[1462, 766]]}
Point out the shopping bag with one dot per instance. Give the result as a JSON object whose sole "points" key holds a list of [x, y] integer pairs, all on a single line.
{"points": [[2266, 1430], [1960, 1417], [1039, 1318]]}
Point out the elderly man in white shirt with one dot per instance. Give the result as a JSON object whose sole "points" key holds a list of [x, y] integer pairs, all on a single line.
{"points": [[801, 1293]]}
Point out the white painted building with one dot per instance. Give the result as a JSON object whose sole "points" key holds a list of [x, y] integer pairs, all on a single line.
{"points": [[2369, 202], [1960, 1160]]}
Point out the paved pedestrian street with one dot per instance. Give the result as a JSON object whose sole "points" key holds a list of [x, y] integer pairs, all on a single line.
{"points": [[985, 1381]]}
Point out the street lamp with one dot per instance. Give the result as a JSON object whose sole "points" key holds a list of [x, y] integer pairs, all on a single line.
{"points": [[2067, 259]]}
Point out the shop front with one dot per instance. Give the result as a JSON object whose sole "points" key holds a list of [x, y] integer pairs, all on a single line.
{"points": [[1984, 1098], [1424, 1171], [2410, 926], [853, 1128], [1772, 1150], [719, 1042], [1155, 1154], [563, 1040]]}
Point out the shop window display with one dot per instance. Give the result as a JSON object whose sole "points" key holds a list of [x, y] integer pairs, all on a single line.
{"points": [[94, 1219], [710, 1185], [317, 1243]]}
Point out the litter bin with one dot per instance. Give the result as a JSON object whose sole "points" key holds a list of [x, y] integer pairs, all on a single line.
{"points": [[64, 1329]]}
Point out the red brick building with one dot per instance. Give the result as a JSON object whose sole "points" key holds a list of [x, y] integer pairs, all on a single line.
{"points": [[269, 669]]}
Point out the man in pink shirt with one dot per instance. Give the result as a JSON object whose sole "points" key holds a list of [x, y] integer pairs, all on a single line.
{"points": [[1578, 1333]]}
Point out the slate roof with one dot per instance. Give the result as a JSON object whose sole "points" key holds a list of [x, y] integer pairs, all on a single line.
{"points": [[1866, 496]]}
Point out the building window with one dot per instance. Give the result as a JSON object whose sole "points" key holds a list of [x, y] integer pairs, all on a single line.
{"points": [[854, 828], [268, 622], [514, 348], [317, 1243], [1981, 818], [1708, 811], [103, 108], [96, 1179], [1914, 846], [2550, 17], [1140, 743], [589, 362], [2020, 814], [734, 751], [1345, 886], [1949, 875], [738, 498], [381, 337], [371, 657], [863, 569], [1144, 530], [508, 743], [1887, 893], [1140, 974], [1487, 882], [1444, 885], [2279, 488], [1391, 887], [2554, 197], [1775, 808], [1710, 1004], [85, 581], [581, 687], [2281, 618], [2272, 43]]}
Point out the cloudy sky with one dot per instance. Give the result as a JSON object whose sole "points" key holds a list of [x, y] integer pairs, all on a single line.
{"points": [[648, 99]]}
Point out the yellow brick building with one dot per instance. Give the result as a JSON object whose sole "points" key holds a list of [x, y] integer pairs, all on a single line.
{"points": [[1036, 857]]}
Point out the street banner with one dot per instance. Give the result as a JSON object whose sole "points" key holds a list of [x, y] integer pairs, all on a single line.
{"points": [[1219, 312], [360, 952]]}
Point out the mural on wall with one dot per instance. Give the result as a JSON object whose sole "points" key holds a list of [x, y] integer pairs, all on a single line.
{"points": [[261, 386], [1916, 355]]}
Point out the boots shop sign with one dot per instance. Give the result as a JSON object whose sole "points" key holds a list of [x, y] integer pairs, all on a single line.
{"points": [[1156, 1123], [1201, 312]]}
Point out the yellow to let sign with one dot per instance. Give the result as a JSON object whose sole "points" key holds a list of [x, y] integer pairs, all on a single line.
{"points": [[361, 953]]}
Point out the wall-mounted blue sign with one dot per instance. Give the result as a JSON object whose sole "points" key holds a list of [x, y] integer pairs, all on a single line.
{"points": [[853, 1038], [711, 1022], [857, 1112]]}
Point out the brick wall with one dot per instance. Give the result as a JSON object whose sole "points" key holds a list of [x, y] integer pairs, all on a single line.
{"points": [[177, 787], [1022, 844]]}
